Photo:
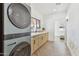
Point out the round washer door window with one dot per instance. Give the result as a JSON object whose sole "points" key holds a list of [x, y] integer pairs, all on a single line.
{"points": [[19, 15], [22, 49]]}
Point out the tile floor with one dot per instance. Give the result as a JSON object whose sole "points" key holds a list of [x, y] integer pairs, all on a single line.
{"points": [[53, 49]]}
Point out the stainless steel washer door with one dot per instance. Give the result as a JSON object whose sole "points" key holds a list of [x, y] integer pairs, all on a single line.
{"points": [[19, 15], [22, 49]]}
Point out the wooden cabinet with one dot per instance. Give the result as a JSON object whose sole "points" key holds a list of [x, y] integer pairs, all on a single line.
{"points": [[34, 44], [38, 41], [45, 37]]}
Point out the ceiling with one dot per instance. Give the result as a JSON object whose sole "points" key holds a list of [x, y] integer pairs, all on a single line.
{"points": [[50, 8]]}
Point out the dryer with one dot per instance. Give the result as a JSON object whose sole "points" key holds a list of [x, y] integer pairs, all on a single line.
{"points": [[17, 29], [17, 18]]}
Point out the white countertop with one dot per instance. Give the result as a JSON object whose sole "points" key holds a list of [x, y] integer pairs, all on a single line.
{"points": [[37, 33]]}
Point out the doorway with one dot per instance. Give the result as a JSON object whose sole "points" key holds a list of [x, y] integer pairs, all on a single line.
{"points": [[59, 30]]}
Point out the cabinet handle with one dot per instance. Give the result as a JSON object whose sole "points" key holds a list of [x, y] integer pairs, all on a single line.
{"points": [[34, 42]]}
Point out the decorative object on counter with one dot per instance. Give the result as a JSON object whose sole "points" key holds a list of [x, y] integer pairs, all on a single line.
{"points": [[43, 28]]}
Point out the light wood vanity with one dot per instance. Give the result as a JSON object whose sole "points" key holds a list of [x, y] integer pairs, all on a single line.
{"points": [[38, 39]]}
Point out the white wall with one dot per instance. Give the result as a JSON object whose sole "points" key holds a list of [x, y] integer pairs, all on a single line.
{"points": [[36, 14], [50, 23], [73, 29]]}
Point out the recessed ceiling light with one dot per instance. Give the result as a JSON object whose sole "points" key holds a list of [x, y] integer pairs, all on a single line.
{"points": [[54, 10], [58, 3]]}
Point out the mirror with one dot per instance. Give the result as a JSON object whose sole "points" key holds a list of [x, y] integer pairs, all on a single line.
{"points": [[35, 24]]}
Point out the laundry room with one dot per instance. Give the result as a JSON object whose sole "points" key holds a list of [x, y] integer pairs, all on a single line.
{"points": [[48, 29], [39, 29], [55, 29], [16, 32]]}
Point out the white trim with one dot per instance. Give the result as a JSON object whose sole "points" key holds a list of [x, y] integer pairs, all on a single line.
{"points": [[72, 54]]}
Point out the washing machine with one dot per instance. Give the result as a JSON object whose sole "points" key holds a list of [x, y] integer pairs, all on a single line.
{"points": [[17, 29]]}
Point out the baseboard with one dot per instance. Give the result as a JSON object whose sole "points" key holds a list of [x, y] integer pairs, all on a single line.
{"points": [[72, 54]]}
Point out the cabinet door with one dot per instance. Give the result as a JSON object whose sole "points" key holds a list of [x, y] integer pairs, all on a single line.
{"points": [[40, 40], [32, 45], [35, 43], [45, 37]]}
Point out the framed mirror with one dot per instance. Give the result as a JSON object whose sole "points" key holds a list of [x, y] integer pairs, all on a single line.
{"points": [[35, 24]]}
